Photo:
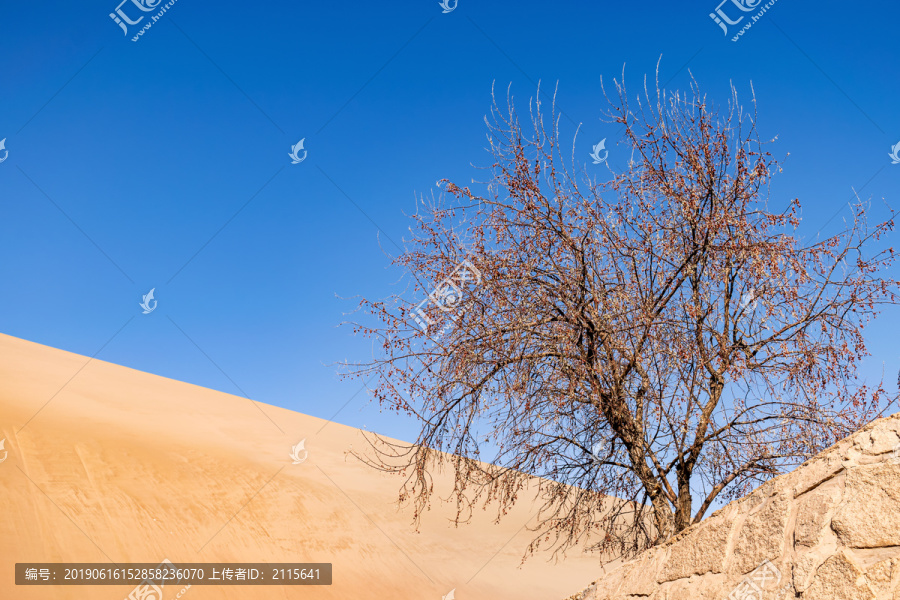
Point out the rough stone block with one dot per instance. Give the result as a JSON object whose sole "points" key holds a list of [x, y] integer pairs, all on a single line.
{"points": [[882, 438], [839, 577], [869, 517], [702, 551], [812, 511], [761, 538]]}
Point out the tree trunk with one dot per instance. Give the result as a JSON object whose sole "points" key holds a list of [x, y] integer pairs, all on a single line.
{"points": [[663, 517], [683, 506]]}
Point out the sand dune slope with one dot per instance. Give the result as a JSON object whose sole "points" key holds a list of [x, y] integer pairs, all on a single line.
{"points": [[108, 464]]}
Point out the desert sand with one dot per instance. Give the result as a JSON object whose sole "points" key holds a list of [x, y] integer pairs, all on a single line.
{"points": [[109, 464]]}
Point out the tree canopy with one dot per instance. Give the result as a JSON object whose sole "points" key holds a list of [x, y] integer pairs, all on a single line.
{"points": [[662, 336]]}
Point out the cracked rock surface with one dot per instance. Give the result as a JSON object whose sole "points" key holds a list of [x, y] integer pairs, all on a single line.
{"points": [[829, 530]]}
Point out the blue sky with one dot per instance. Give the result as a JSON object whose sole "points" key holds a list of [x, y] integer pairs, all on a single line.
{"points": [[163, 163]]}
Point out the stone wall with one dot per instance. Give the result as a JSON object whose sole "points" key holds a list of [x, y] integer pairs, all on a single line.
{"points": [[829, 530]]}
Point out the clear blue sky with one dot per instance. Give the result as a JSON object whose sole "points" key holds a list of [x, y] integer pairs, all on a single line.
{"points": [[164, 164]]}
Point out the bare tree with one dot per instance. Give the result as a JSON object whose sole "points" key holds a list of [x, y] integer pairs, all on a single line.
{"points": [[661, 337]]}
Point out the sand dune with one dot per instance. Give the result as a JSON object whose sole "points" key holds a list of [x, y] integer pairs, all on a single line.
{"points": [[116, 465]]}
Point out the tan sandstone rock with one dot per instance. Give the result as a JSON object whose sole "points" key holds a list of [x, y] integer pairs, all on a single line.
{"points": [[641, 580], [829, 530], [879, 576], [812, 514], [870, 514], [702, 551], [839, 578], [762, 537], [880, 439]]}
